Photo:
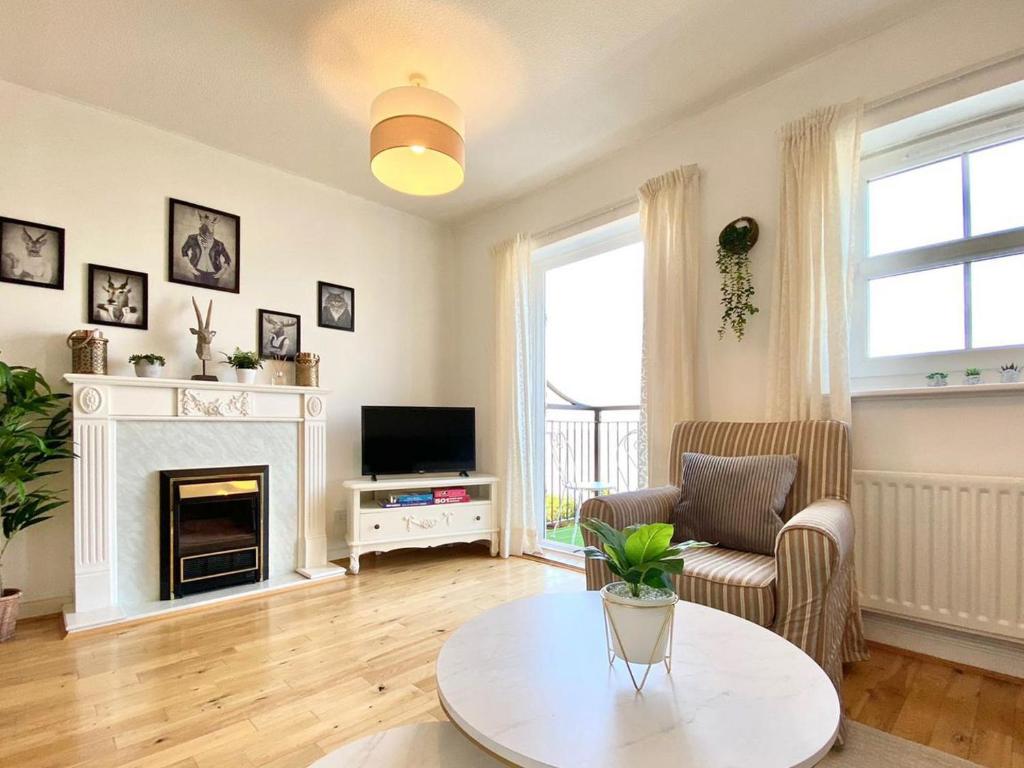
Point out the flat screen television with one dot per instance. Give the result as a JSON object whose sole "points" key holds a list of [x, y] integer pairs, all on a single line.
{"points": [[401, 440]]}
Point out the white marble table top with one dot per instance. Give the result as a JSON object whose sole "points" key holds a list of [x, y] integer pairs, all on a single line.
{"points": [[530, 682], [424, 745]]}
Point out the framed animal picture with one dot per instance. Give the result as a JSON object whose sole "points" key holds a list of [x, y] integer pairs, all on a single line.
{"points": [[280, 335], [118, 297], [336, 306], [203, 247], [31, 254]]}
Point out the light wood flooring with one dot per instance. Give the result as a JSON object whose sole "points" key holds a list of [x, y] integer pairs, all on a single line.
{"points": [[280, 680]]}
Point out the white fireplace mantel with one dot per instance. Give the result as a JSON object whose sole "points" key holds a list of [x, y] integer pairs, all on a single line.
{"points": [[100, 402]]}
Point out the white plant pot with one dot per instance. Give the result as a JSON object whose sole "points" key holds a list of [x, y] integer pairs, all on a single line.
{"points": [[1009, 377], [246, 375], [146, 370], [639, 629], [972, 379], [937, 382]]}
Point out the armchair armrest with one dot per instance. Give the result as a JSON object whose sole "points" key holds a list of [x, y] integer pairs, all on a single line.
{"points": [[816, 600], [651, 505]]}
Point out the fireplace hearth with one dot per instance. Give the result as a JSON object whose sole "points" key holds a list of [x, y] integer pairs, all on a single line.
{"points": [[213, 529]]}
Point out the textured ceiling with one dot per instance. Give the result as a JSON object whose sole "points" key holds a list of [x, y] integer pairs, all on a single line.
{"points": [[546, 85]]}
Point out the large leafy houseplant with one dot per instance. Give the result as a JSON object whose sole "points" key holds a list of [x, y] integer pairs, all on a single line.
{"points": [[35, 431], [639, 554]]}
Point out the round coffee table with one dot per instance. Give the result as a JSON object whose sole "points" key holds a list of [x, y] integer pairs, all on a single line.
{"points": [[422, 745], [529, 681]]}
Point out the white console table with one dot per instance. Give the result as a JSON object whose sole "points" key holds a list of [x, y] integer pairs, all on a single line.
{"points": [[373, 528]]}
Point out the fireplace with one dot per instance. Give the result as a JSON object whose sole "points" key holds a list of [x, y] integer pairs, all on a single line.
{"points": [[213, 529]]}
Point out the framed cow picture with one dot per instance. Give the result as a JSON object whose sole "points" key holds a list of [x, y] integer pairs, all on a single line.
{"points": [[203, 247], [280, 335], [31, 254], [118, 297], [336, 306]]}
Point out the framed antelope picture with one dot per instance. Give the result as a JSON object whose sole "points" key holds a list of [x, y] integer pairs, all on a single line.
{"points": [[280, 335], [31, 254], [118, 297], [203, 247]]}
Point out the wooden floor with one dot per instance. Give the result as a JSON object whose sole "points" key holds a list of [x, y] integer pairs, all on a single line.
{"points": [[278, 681]]}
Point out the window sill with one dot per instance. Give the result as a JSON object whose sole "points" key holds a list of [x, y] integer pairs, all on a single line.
{"points": [[970, 390]]}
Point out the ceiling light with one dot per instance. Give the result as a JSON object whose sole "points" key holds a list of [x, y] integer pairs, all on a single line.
{"points": [[417, 143]]}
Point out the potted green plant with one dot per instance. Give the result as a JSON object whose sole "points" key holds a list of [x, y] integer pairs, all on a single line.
{"points": [[245, 364], [640, 606], [937, 379], [1009, 373], [35, 430], [972, 376], [148, 366]]}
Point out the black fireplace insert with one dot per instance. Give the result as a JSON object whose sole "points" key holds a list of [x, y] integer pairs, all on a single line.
{"points": [[213, 528]]}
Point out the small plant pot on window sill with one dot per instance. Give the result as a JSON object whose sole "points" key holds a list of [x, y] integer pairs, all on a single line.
{"points": [[639, 628], [972, 379], [1009, 377]]}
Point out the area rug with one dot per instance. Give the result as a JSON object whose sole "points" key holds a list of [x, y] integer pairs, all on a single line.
{"points": [[870, 748]]}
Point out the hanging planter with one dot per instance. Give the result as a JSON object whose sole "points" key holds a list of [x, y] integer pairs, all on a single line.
{"points": [[734, 244]]}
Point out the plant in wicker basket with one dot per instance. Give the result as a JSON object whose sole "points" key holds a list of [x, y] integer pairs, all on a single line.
{"points": [[35, 431]]}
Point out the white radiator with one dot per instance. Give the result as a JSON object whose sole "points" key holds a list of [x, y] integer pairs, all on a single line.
{"points": [[948, 549]]}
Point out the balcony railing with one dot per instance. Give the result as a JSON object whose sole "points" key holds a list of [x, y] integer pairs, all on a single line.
{"points": [[588, 450]]}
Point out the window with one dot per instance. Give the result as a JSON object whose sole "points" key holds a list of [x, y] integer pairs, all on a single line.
{"points": [[941, 279]]}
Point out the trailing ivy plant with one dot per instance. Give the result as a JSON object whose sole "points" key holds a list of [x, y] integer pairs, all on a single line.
{"points": [[734, 245]]}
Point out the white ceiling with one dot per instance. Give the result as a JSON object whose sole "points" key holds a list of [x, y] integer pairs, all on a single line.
{"points": [[547, 85]]}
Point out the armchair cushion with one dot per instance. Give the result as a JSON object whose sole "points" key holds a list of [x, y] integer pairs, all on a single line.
{"points": [[734, 501], [741, 583]]}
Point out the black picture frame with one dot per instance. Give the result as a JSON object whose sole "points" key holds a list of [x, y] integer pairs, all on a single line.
{"points": [[180, 235], [266, 340], [106, 312], [323, 317], [12, 244]]}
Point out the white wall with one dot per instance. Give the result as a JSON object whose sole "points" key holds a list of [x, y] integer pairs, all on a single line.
{"points": [[735, 144], [106, 180]]}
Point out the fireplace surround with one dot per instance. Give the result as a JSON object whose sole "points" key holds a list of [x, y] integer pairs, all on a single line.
{"points": [[214, 525]]}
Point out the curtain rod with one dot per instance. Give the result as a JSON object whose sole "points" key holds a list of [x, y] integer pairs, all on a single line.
{"points": [[974, 69], [554, 233]]}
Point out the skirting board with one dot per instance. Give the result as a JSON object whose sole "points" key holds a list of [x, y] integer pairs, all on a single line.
{"points": [[45, 606], [1003, 656]]}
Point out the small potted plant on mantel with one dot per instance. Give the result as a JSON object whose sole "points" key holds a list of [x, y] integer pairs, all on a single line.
{"points": [[148, 366], [245, 364], [1009, 373], [937, 379], [972, 376], [35, 430], [640, 607]]}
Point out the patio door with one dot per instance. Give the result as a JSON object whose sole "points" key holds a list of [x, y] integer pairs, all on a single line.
{"points": [[591, 286]]}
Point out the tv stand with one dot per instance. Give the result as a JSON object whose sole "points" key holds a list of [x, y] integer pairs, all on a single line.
{"points": [[373, 528]]}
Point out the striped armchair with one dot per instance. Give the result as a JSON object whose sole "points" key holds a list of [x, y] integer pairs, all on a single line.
{"points": [[806, 592]]}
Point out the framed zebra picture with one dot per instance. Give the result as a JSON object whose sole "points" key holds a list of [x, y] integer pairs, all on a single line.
{"points": [[118, 297], [203, 247], [31, 254], [280, 335]]}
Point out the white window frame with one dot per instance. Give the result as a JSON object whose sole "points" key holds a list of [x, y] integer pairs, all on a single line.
{"points": [[897, 159], [571, 248]]}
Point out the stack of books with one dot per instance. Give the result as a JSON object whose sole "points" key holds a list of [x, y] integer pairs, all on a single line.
{"points": [[408, 500], [450, 496]]}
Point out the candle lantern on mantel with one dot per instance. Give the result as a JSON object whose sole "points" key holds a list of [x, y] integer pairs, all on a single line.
{"points": [[88, 351], [307, 369]]}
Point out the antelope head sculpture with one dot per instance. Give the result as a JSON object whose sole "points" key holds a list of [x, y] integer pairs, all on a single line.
{"points": [[204, 336]]}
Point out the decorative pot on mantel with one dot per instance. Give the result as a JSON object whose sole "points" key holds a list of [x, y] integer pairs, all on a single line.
{"points": [[146, 370], [9, 604], [246, 375], [639, 628]]}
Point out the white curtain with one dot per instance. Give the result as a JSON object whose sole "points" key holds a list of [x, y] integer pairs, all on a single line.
{"points": [[516, 402], [809, 329], [670, 221]]}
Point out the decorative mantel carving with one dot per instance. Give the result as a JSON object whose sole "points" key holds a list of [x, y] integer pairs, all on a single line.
{"points": [[194, 402]]}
